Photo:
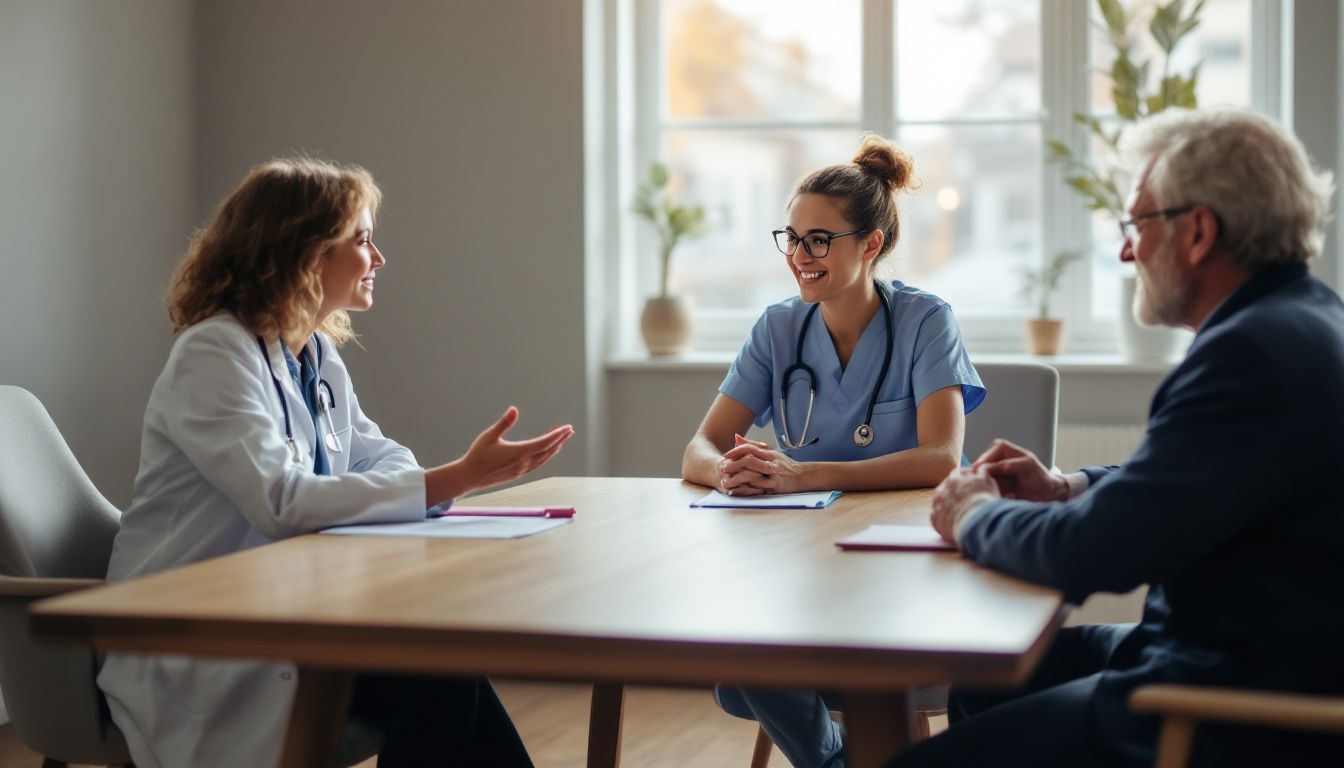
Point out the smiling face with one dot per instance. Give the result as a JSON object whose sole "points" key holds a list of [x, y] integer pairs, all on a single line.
{"points": [[348, 269], [844, 270]]}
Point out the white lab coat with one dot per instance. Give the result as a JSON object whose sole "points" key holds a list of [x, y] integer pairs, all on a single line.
{"points": [[216, 477]]}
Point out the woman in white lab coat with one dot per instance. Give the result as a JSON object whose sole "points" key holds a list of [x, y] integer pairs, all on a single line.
{"points": [[254, 433]]}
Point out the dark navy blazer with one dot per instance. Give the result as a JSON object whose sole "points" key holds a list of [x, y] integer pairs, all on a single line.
{"points": [[1232, 509]]}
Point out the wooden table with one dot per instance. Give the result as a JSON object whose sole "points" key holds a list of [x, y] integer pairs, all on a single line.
{"points": [[639, 588]]}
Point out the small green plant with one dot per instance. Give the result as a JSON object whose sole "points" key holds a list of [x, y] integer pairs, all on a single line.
{"points": [[1134, 94], [1039, 285], [671, 221]]}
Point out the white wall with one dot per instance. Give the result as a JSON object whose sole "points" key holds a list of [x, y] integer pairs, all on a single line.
{"points": [[469, 115], [96, 115]]}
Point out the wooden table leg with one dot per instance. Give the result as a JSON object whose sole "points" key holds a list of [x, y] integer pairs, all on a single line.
{"points": [[604, 725], [877, 726], [316, 718]]}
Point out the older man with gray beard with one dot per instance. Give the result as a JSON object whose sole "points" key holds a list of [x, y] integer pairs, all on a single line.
{"points": [[1231, 510]]}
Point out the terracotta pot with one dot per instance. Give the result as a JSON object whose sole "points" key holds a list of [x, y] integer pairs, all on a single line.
{"points": [[666, 324], [1043, 336]]}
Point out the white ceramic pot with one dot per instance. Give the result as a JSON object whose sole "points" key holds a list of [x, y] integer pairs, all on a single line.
{"points": [[666, 323], [1141, 343]]}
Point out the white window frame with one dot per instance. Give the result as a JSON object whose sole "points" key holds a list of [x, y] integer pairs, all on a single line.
{"points": [[633, 124]]}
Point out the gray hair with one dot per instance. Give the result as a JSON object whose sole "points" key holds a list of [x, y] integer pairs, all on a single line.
{"points": [[1271, 205]]}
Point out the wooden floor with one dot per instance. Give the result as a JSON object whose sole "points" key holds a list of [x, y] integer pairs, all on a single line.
{"points": [[663, 729]]}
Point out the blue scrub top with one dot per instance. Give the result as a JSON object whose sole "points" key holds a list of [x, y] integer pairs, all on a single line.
{"points": [[927, 356]]}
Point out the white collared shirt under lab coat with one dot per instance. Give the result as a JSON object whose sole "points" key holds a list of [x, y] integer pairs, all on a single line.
{"points": [[216, 477]]}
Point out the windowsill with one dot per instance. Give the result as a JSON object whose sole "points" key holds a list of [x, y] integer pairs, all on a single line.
{"points": [[719, 361]]}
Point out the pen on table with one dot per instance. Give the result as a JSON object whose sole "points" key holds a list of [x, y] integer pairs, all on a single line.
{"points": [[464, 511]]}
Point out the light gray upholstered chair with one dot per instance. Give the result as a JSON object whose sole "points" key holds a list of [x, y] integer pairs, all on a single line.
{"points": [[1022, 406], [56, 535]]}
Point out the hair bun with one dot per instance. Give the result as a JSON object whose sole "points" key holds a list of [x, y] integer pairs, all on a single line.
{"points": [[888, 162]]}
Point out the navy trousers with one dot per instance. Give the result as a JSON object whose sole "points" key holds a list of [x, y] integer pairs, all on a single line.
{"points": [[432, 721], [1045, 723]]}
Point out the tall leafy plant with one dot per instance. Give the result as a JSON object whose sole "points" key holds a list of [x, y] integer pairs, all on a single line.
{"points": [[1135, 92], [670, 220]]}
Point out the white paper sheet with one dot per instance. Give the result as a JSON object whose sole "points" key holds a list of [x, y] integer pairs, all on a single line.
{"points": [[466, 527]]}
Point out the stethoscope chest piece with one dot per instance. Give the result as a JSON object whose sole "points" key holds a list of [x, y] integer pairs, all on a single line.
{"points": [[863, 435], [325, 402]]}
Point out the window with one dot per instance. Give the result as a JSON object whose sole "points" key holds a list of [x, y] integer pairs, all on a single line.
{"points": [[742, 97], [1222, 41]]}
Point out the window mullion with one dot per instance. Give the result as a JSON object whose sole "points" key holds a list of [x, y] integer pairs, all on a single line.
{"points": [[1066, 225], [877, 111], [650, 103], [1270, 93]]}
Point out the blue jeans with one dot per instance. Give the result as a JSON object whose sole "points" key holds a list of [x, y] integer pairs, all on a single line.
{"points": [[799, 722]]}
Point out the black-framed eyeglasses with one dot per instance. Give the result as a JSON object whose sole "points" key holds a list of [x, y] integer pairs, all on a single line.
{"points": [[816, 242], [1129, 228]]}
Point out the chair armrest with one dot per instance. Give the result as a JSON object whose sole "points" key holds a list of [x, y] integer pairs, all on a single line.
{"points": [[1280, 710], [11, 586]]}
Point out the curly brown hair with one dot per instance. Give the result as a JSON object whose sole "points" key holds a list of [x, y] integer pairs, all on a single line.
{"points": [[260, 256]]}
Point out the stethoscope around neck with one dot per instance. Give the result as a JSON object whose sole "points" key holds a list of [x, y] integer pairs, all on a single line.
{"points": [[326, 400], [863, 435]]}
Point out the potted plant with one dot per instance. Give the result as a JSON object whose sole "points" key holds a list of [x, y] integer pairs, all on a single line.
{"points": [[1043, 331], [1136, 96], [666, 320]]}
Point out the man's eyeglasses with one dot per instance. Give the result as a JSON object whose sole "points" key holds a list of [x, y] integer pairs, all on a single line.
{"points": [[1129, 228], [817, 243]]}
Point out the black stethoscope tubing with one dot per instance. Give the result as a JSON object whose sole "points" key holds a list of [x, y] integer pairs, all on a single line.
{"points": [[323, 404], [863, 436]]}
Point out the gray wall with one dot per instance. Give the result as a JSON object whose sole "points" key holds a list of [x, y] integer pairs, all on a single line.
{"points": [[1318, 69], [96, 152], [125, 123], [96, 116], [469, 115]]}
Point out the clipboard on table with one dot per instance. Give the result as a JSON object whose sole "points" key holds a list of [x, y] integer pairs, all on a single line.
{"points": [[813, 500]]}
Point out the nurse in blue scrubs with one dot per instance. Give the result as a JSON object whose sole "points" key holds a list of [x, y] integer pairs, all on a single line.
{"points": [[865, 383]]}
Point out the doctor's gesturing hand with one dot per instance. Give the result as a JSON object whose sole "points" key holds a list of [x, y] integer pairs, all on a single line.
{"points": [[492, 460]]}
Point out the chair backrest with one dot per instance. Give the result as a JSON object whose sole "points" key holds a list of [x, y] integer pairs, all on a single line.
{"points": [[55, 523], [1022, 406], [54, 528]]}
